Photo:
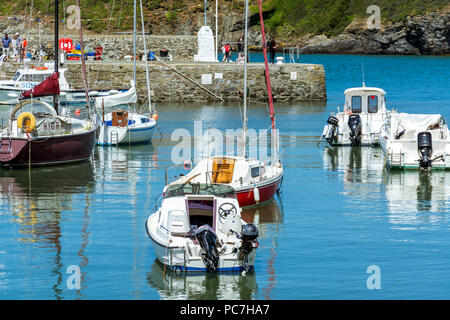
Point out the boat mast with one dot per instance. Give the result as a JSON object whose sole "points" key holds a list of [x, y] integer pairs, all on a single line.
{"points": [[134, 47], [55, 97], [266, 67], [267, 74], [83, 63], [146, 58], [216, 48], [244, 128]]}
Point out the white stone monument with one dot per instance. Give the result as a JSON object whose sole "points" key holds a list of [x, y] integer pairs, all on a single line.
{"points": [[205, 45]]}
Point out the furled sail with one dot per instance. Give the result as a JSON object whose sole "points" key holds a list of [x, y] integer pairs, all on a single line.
{"points": [[48, 87], [129, 96]]}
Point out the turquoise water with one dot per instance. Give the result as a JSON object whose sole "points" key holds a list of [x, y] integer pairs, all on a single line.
{"points": [[339, 212]]}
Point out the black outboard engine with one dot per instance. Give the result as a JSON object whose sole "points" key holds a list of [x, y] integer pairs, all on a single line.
{"points": [[332, 120], [249, 235], [334, 123], [207, 238], [425, 146], [354, 122]]}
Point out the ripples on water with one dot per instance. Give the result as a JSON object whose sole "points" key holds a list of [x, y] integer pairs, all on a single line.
{"points": [[338, 213]]}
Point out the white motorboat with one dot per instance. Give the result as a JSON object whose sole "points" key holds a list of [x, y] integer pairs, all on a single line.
{"points": [[122, 126], [415, 141], [198, 227], [27, 77], [360, 122]]}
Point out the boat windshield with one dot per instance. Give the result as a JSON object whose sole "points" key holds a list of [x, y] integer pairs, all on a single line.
{"points": [[219, 190]]}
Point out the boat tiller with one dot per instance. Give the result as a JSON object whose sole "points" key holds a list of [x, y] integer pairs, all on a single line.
{"points": [[207, 238], [425, 146], [249, 235], [354, 123]]}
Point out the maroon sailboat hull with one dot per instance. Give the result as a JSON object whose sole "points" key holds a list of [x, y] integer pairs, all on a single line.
{"points": [[246, 197], [46, 150]]}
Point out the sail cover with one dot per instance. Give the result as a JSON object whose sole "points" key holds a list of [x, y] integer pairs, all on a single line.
{"points": [[129, 96], [418, 122], [48, 87]]}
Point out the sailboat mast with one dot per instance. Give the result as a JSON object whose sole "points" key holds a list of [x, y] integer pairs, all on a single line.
{"points": [[146, 58], [245, 129], [55, 97], [83, 63], [266, 66], [134, 44]]}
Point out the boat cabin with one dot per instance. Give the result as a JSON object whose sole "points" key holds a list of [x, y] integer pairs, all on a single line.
{"points": [[225, 170], [365, 100], [201, 203]]}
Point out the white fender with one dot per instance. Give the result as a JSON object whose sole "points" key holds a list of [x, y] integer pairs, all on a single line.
{"points": [[256, 194]]}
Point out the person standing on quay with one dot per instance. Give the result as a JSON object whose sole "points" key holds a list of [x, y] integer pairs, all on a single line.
{"points": [[17, 47], [6, 44], [272, 49]]}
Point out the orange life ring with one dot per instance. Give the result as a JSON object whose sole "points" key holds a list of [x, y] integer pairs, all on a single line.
{"points": [[26, 121]]}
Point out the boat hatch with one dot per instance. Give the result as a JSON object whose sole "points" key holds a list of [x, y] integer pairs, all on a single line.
{"points": [[119, 118], [222, 170], [200, 212]]}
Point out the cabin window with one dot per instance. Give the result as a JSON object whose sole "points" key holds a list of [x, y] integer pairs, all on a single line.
{"points": [[255, 172], [372, 104], [356, 104], [16, 76]]}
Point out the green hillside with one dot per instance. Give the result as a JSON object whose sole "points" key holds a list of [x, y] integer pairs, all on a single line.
{"points": [[296, 17], [330, 17]]}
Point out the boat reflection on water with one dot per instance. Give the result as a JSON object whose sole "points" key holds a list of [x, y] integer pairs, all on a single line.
{"points": [[417, 198], [177, 285], [359, 165], [414, 199], [38, 199], [200, 286]]}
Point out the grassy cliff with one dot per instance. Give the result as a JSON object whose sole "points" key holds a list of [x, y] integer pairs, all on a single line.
{"points": [[283, 17], [330, 17]]}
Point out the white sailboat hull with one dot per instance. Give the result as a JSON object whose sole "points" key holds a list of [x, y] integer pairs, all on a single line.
{"points": [[131, 134]]}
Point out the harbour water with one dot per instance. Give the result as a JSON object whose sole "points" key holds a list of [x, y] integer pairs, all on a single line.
{"points": [[339, 212]]}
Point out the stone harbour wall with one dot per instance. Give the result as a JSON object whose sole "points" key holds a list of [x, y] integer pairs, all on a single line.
{"points": [[290, 82]]}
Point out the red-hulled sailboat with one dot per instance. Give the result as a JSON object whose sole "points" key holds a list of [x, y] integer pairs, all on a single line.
{"points": [[255, 181], [37, 135]]}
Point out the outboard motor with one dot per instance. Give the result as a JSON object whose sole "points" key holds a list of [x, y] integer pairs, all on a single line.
{"points": [[354, 122], [425, 146], [332, 120], [329, 131], [207, 238], [249, 235]]}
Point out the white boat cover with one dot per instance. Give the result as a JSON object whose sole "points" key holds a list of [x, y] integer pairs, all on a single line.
{"points": [[129, 96], [418, 122]]}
